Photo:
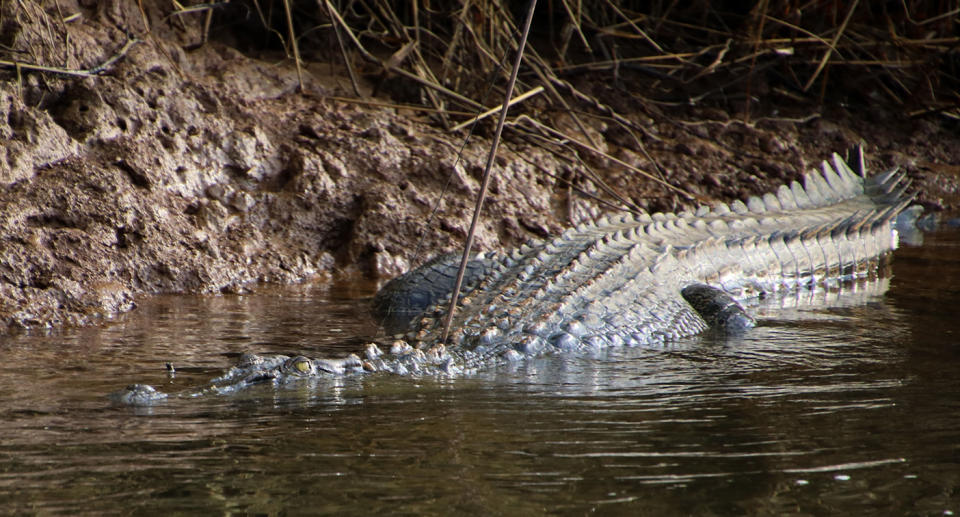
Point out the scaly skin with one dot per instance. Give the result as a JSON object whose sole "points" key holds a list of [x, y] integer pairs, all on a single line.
{"points": [[623, 281]]}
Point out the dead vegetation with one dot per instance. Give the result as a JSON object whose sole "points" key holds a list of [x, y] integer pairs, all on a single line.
{"points": [[902, 52], [604, 60], [163, 146], [585, 60]]}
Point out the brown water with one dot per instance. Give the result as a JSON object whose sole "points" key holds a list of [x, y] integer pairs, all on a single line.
{"points": [[850, 410]]}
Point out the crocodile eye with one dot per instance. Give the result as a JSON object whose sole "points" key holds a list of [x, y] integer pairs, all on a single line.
{"points": [[299, 366]]}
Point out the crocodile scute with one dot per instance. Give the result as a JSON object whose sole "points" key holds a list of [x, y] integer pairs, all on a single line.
{"points": [[626, 280], [621, 280]]}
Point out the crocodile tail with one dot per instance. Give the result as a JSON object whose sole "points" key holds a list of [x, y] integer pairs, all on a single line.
{"points": [[838, 180], [848, 178]]}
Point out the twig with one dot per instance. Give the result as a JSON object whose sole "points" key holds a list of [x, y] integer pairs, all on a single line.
{"points": [[753, 59], [548, 78], [833, 45], [195, 8], [265, 22], [346, 59], [575, 21], [796, 28], [66, 35], [293, 43], [606, 64], [940, 16], [934, 109], [207, 20], [394, 105], [491, 111], [19, 65], [712, 67], [588, 147], [635, 27], [598, 105], [413, 77], [423, 70], [599, 200], [486, 173], [143, 15]]}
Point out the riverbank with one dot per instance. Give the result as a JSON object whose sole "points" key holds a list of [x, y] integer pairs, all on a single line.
{"points": [[149, 161]]}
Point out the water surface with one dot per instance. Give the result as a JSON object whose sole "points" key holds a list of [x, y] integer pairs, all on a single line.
{"points": [[849, 408]]}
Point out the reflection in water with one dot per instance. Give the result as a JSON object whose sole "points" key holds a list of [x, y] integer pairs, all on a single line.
{"points": [[839, 404]]}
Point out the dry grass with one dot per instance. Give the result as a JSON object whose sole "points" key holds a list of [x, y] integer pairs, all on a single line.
{"points": [[901, 54]]}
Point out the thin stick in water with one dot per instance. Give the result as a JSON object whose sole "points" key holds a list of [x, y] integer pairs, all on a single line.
{"points": [[486, 172]]}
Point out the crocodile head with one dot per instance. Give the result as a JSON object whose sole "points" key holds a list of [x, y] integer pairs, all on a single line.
{"points": [[138, 395]]}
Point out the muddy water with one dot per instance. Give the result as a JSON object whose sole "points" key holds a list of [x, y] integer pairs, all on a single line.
{"points": [[851, 409]]}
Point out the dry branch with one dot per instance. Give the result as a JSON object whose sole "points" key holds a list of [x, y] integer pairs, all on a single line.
{"points": [[96, 70], [492, 111]]}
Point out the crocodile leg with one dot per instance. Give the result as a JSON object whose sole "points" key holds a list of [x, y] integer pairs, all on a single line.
{"points": [[718, 309], [407, 296]]}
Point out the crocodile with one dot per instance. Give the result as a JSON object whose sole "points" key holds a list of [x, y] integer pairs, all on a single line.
{"points": [[624, 280]]}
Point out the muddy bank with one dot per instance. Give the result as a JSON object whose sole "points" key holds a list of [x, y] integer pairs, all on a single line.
{"points": [[197, 169]]}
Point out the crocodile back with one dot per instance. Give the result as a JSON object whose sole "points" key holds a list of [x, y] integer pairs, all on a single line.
{"points": [[617, 281]]}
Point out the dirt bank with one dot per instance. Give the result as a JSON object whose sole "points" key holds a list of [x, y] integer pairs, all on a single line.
{"points": [[194, 168]]}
